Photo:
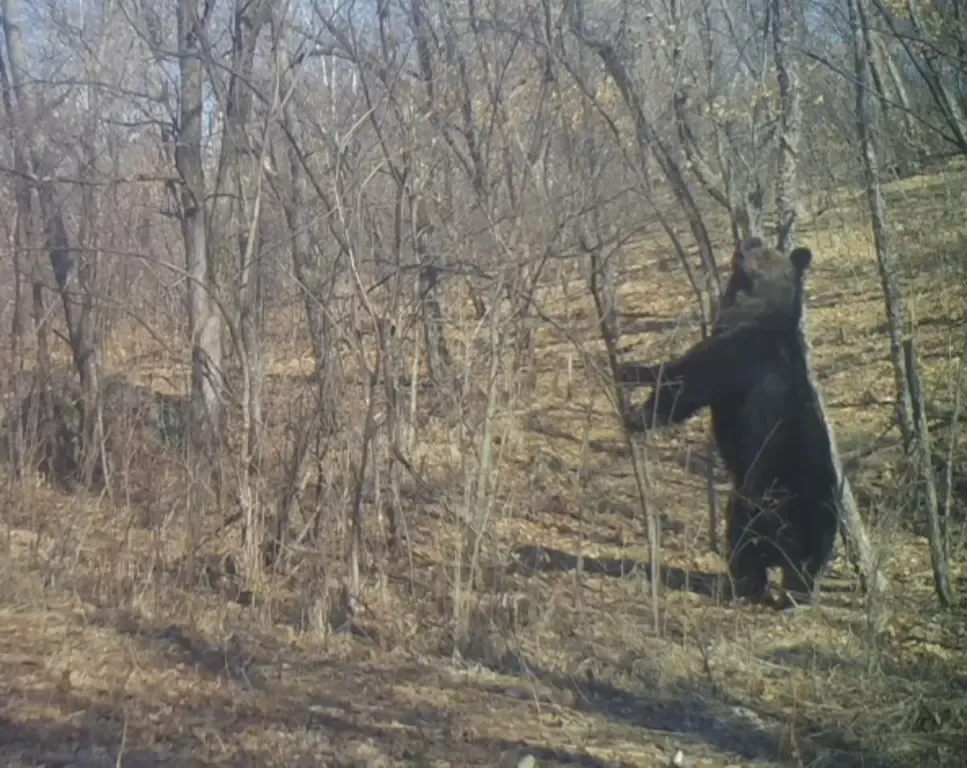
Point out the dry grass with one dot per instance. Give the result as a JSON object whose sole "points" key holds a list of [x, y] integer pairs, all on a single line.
{"points": [[109, 656]]}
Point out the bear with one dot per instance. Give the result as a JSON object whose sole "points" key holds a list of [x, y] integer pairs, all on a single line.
{"points": [[753, 374]]}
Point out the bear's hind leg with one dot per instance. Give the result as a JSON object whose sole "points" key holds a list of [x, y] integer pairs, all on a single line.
{"points": [[799, 583], [809, 541], [748, 570]]}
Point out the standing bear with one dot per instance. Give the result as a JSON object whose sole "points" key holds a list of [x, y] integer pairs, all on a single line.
{"points": [[753, 374]]}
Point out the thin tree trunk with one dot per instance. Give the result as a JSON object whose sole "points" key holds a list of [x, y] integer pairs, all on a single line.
{"points": [[235, 220], [428, 282], [935, 532], [97, 459], [909, 31], [204, 321], [790, 121], [25, 273], [78, 315], [311, 272], [648, 138], [862, 53], [952, 440], [910, 407]]}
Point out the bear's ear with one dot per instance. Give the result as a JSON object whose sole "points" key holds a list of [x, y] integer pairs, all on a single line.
{"points": [[801, 258]]}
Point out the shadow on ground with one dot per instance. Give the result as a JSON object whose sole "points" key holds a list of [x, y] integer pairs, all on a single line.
{"points": [[62, 746], [257, 702], [684, 713], [531, 559]]}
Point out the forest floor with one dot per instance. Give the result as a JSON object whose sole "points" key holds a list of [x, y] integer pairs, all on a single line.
{"points": [[107, 657]]}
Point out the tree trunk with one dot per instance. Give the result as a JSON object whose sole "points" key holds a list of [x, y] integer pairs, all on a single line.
{"points": [[77, 314], [858, 545], [921, 440], [909, 399], [235, 221], [862, 53], [790, 121], [204, 321], [437, 353], [312, 273]]}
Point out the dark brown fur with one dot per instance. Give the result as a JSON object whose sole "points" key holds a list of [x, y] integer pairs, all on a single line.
{"points": [[753, 374]]}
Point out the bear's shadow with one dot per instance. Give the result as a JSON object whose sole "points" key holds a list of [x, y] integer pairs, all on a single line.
{"points": [[532, 558]]}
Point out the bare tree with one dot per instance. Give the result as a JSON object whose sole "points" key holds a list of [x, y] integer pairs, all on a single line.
{"points": [[934, 38], [914, 430], [27, 269], [648, 138], [236, 219], [315, 270], [72, 269], [783, 31], [203, 316], [729, 155]]}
